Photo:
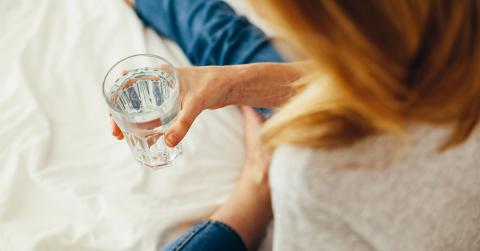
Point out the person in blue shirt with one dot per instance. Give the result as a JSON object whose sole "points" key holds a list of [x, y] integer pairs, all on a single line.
{"points": [[210, 32], [376, 75]]}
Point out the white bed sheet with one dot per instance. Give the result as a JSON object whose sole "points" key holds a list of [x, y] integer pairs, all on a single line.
{"points": [[65, 182]]}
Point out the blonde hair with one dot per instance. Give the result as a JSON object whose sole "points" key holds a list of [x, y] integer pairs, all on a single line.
{"points": [[377, 65]]}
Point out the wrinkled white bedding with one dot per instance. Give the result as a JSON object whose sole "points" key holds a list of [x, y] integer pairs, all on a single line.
{"points": [[65, 182]]}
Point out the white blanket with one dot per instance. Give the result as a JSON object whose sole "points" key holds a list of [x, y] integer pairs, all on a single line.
{"points": [[65, 182]]}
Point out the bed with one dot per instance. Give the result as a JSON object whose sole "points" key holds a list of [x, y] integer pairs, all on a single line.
{"points": [[65, 182]]}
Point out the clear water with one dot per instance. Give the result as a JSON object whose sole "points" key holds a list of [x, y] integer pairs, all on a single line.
{"points": [[146, 103]]}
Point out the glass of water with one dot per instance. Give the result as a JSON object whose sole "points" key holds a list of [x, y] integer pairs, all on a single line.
{"points": [[143, 94]]}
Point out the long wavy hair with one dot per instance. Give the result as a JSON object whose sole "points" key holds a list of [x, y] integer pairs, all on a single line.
{"points": [[377, 65]]}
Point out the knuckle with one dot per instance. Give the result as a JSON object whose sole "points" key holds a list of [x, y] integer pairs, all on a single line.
{"points": [[184, 123]]}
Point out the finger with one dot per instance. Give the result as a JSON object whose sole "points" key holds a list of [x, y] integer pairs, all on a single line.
{"points": [[180, 127], [249, 114], [120, 137], [116, 132], [252, 124], [113, 125], [165, 68]]}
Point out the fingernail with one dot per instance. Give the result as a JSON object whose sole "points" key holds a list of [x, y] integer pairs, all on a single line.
{"points": [[171, 140]]}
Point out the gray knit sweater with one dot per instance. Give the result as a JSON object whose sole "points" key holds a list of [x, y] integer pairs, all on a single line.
{"points": [[379, 196]]}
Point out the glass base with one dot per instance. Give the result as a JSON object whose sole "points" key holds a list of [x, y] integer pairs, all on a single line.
{"points": [[164, 160], [151, 150]]}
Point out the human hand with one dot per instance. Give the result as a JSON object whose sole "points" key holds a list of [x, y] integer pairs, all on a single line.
{"points": [[200, 88], [256, 161], [211, 87], [248, 209]]}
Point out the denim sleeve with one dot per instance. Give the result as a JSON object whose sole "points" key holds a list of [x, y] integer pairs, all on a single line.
{"points": [[208, 31], [208, 236]]}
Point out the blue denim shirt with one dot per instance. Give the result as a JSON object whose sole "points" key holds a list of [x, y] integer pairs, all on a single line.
{"points": [[208, 236], [209, 32]]}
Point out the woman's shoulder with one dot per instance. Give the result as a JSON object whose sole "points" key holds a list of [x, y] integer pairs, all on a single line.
{"points": [[381, 151]]}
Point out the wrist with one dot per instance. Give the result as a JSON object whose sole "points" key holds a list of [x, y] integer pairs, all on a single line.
{"points": [[234, 79], [265, 85]]}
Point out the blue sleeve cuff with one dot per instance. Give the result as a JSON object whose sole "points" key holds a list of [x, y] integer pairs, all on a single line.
{"points": [[208, 235]]}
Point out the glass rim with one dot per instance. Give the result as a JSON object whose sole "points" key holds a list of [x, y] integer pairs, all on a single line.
{"points": [[175, 75]]}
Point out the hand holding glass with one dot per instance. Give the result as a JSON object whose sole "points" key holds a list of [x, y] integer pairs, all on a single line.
{"points": [[142, 92]]}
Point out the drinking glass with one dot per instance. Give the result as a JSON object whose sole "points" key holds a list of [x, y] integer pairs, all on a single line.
{"points": [[142, 92]]}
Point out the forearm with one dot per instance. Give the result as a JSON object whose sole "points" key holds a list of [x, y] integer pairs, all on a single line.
{"points": [[238, 225], [240, 222], [262, 84], [248, 211]]}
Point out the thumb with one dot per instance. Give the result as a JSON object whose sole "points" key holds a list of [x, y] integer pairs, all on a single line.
{"points": [[180, 127]]}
